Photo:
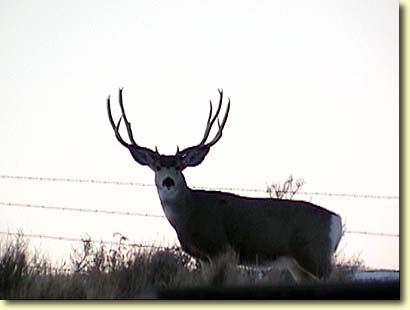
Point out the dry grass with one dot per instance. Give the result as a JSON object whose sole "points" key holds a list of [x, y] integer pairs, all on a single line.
{"points": [[120, 272]]}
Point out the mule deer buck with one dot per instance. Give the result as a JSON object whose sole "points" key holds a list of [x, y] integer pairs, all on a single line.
{"points": [[209, 222]]}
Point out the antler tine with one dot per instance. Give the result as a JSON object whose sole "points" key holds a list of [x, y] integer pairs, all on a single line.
{"points": [[127, 123], [109, 112], [207, 128], [221, 126], [209, 123], [115, 127]]}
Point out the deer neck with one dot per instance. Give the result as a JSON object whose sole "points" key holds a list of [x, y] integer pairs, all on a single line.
{"points": [[175, 202]]}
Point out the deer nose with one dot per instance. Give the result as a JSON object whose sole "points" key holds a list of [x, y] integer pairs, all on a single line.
{"points": [[168, 182]]}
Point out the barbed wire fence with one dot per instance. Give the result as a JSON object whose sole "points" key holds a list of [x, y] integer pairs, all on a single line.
{"points": [[149, 215], [71, 239], [129, 213], [142, 184]]}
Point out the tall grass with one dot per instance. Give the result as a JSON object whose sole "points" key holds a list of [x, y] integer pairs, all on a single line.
{"points": [[120, 272]]}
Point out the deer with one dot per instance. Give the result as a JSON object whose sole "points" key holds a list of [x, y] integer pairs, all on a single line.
{"points": [[208, 223]]}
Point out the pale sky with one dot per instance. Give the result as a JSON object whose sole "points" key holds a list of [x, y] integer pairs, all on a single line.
{"points": [[314, 89]]}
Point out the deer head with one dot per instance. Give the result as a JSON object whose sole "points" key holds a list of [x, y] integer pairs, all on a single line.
{"points": [[169, 179]]}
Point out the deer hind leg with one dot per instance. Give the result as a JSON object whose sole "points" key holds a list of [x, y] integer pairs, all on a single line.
{"points": [[298, 273], [318, 263]]}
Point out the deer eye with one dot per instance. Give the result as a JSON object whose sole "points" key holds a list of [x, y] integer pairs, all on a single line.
{"points": [[178, 167], [158, 168]]}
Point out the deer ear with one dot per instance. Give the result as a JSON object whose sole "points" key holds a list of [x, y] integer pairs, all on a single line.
{"points": [[144, 156], [193, 156]]}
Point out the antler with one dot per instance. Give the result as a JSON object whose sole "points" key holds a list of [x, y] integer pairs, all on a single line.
{"points": [[117, 127], [143, 155], [190, 156], [211, 120]]}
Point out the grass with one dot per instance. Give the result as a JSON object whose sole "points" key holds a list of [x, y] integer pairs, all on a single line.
{"points": [[122, 272]]}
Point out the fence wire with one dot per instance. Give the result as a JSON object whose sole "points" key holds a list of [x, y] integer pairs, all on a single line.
{"points": [[128, 213], [56, 208], [73, 239], [239, 189], [141, 184]]}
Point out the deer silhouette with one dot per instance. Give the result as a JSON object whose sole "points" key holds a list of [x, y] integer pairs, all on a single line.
{"points": [[208, 223]]}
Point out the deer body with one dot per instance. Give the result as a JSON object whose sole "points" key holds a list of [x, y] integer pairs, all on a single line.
{"points": [[260, 230], [210, 222]]}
